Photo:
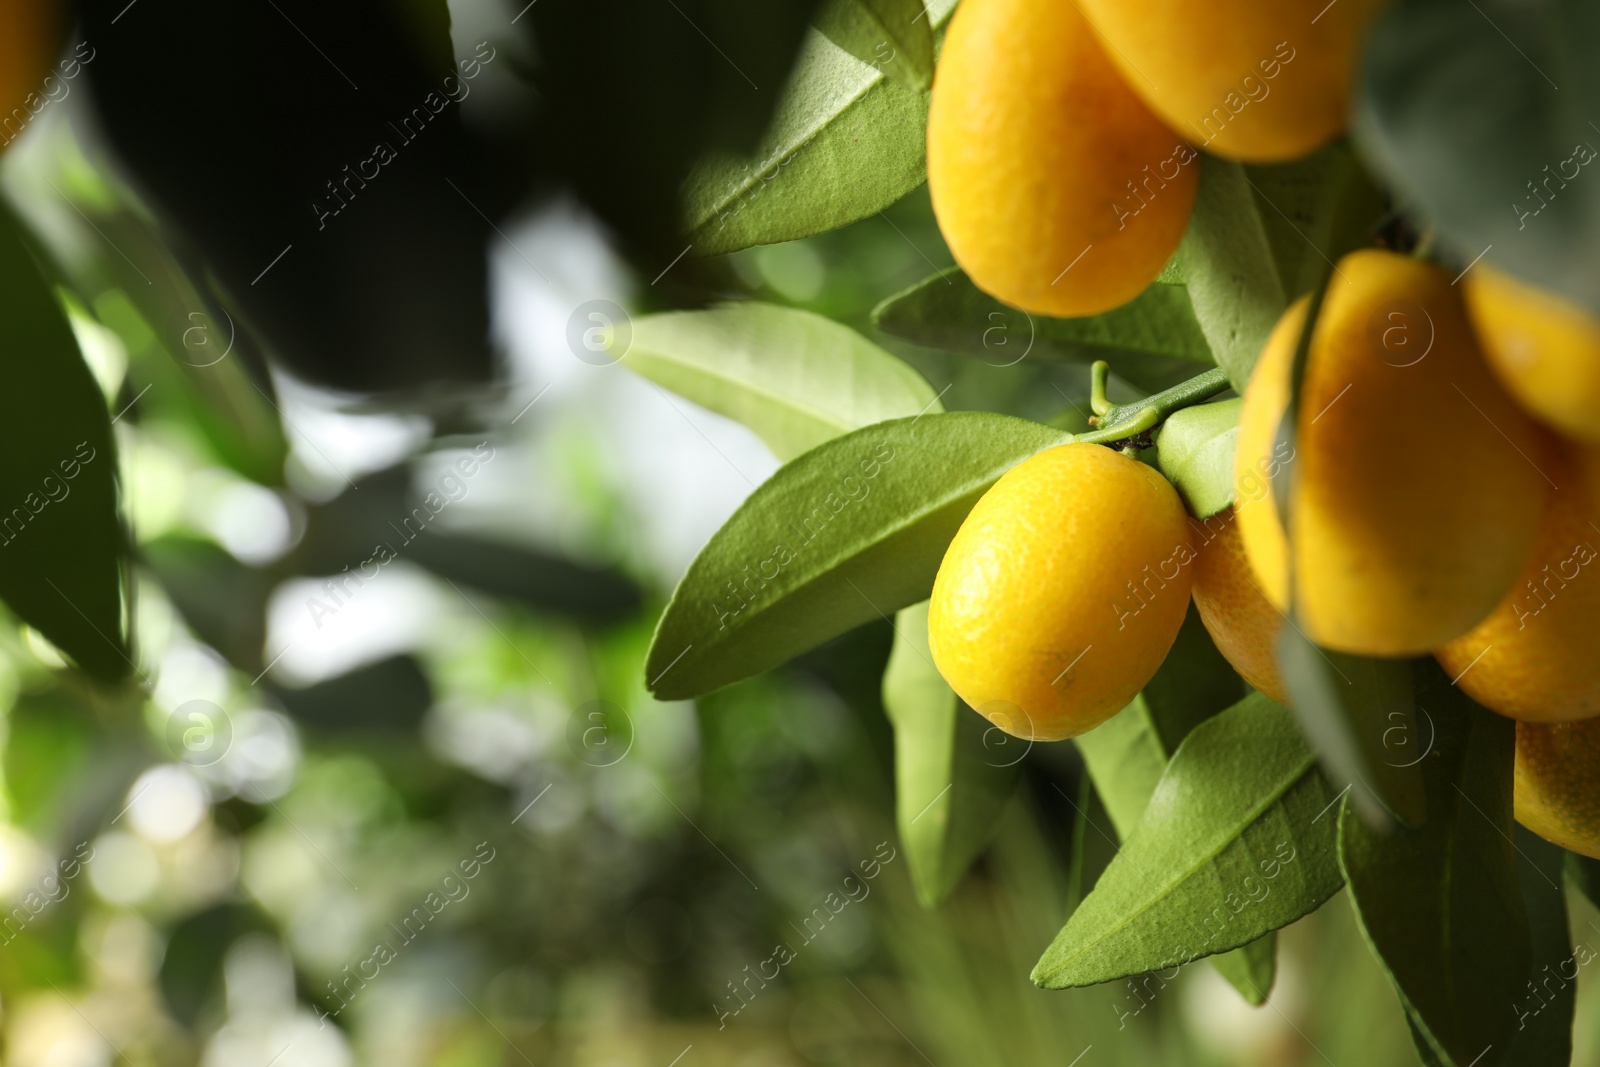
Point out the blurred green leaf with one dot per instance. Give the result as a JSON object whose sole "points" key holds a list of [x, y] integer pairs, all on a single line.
{"points": [[845, 143], [892, 35], [793, 377], [1237, 840], [1232, 277], [1482, 115], [191, 962], [950, 787], [1544, 1030], [850, 531], [60, 535], [1441, 904], [1584, 873], [1153, 342], [1314, 211], [391, 695], [223, 601], [1195, 451], [1127, 755], [1360, 714]]}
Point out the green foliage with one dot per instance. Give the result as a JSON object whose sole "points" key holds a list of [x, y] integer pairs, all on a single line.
{"points": [[1361, 715], [1195, 450], [1228, 264], [1544, 1026], [796, 379], [1127, 755], [1441, 904], [891, 35], [1153, 342], [846, 142], [954, 772], [1482, 115], [59, 529], [1238, 840], [849, 532]]}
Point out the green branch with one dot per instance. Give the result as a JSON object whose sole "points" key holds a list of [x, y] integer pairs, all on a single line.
{"points": [[1129, 420]]}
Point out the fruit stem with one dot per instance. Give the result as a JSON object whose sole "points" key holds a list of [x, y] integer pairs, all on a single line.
{"points": [[1122, 421], [1097, 388]]}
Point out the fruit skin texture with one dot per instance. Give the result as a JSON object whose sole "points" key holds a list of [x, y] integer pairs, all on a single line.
{"points": [[1241, 621], [31, 33], [1417, 488], [1533, 658], [1556, 783], [1545, 350], [1062, 592], [1033, 141], [1255, 80]]}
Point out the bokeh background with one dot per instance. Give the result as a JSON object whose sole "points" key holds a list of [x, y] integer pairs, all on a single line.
{"points": [[388, 789]]}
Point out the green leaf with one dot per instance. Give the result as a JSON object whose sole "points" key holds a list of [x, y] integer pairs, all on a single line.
{"points": [[1482, 115], [60, 536], [845, 143], [1544, 1015], [1232, 276], [1195, 451], [1584, 873], [1127, 755], [1315, 210], [893, 36], [1237, 840], [1441, 905], [795, 378], [850, 531], [1360, 714], [1153, 342], [953, 772]]}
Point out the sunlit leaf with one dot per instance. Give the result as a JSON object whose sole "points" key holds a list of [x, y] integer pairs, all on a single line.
{"points": [[851, 531], [1153, 342], [891, 35], [1238, 840], [846, 142], [953, 771], [795, 378]]}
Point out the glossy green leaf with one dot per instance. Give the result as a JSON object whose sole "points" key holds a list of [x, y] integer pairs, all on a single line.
{"points": [[893, 36], [1232, 276], [1543, 1037], [1441, 904], [1238, 840], [849, 532], [1483, 116], [845, 143], [60, 536], [1127, 755], [1153, 342], [1195, 451], [1360, 714], [795, 378], [953, 772]]}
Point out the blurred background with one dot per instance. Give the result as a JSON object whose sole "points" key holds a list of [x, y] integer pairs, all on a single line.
{"points": [[387, 788]]}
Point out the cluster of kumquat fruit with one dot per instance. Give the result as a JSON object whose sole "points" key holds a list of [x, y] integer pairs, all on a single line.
{"points": [[1446, 492]]}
